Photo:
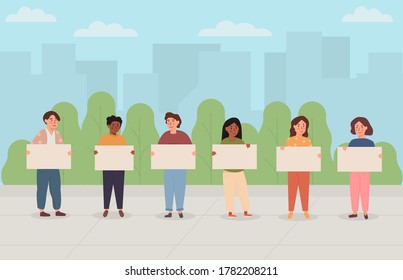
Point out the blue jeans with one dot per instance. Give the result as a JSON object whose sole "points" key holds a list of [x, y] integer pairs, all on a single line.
{"points": [[45, 177], [174, 185]]}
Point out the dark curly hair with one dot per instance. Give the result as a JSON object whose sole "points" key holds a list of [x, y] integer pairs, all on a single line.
{"points": [[111, 119]]}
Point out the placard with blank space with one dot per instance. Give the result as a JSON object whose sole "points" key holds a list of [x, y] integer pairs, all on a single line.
{"points": [[298, 159], [48, 156], [235, 156], [359, 159], [114, 158], [173, 156]]}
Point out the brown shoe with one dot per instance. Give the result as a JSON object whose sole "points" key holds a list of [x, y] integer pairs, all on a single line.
{"points": [[121, 214], [60, 214], [105, 213], [44, 214]]}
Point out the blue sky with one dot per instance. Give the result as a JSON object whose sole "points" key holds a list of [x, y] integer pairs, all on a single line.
{"points": [[179, 21]]}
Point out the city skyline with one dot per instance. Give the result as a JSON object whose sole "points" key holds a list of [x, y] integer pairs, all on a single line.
{"points": [[338, 54]]}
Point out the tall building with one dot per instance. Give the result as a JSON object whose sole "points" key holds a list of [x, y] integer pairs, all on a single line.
{"points": [[101, 76], [58, 59], [15, 64], [177, 67], [140, 88], [336, 57], [275, 77], [304, 56], [224, 76], [385, 65]]}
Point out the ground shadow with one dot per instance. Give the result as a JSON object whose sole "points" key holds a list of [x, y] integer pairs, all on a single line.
{"points": [[240, 217], [52, 216], [175, 216], [298, 217], [360, 217], [112, 215]]}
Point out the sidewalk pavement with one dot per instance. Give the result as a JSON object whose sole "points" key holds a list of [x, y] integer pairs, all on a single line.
{"points": [[205, 232]]}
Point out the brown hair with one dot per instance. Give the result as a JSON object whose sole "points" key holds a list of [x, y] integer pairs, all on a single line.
{"points": [[365, 122], [295, 121], [174, 116], [48, 114]]}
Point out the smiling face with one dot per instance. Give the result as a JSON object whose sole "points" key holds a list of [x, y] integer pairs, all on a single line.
{"points": [[52, 122], [300, 128], [114, 127], [360, 129], [172, 124], [232, 130]]}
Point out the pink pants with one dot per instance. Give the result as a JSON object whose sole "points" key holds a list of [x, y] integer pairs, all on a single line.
{"points": [[359, 187]]}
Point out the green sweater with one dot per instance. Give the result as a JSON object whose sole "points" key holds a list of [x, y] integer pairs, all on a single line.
{"points": [[235, 141]]}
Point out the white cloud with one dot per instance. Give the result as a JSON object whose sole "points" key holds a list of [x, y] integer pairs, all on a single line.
{"points": [[26, 14], [101, 29], [362, 14], [227, 28]]}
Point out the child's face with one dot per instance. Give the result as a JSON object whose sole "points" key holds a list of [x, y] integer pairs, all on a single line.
{"points": [[360, 129], [300, 127], [114, 127], [52, 122], [172, 123], [232, 130]]}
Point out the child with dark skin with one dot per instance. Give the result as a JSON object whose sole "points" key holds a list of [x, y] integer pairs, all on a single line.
{"points": [[113, 178], [233, 131], [114, 128]]}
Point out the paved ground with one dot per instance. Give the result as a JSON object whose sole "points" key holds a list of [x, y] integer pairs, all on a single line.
{"points": [[205, 232]]}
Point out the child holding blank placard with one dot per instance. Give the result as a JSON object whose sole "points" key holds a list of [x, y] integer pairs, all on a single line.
{"points": [[360, 181], [300, 179], [234, 180]]}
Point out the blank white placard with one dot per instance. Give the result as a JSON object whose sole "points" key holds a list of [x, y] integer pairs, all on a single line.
{"points": [[296, 159], [114, 157], [359, 159], [48, 156], [173, 156], [235, 156]]}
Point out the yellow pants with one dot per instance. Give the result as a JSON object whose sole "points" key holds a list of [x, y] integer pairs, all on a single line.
{"points": [[235, 184]]}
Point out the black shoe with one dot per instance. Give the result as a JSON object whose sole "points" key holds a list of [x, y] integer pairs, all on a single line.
{"points": [[181, 215], [352, 216], [366, 216], [169, 215]]}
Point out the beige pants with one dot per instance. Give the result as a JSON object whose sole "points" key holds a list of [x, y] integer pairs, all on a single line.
{"points": [[235, 184]]}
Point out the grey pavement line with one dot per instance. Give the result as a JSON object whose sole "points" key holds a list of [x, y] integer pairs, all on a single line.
{"points": [[202, 215], [201, 245], [195, 224], [285, 235], [78, 244]]}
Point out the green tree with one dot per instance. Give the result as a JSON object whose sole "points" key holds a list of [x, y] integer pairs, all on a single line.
{"points": [[320, 135], [250, 136], [100, 106], [391, 173], [15, 170], [206, 132], [274, 132], [70, 130], [140, 131]]}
